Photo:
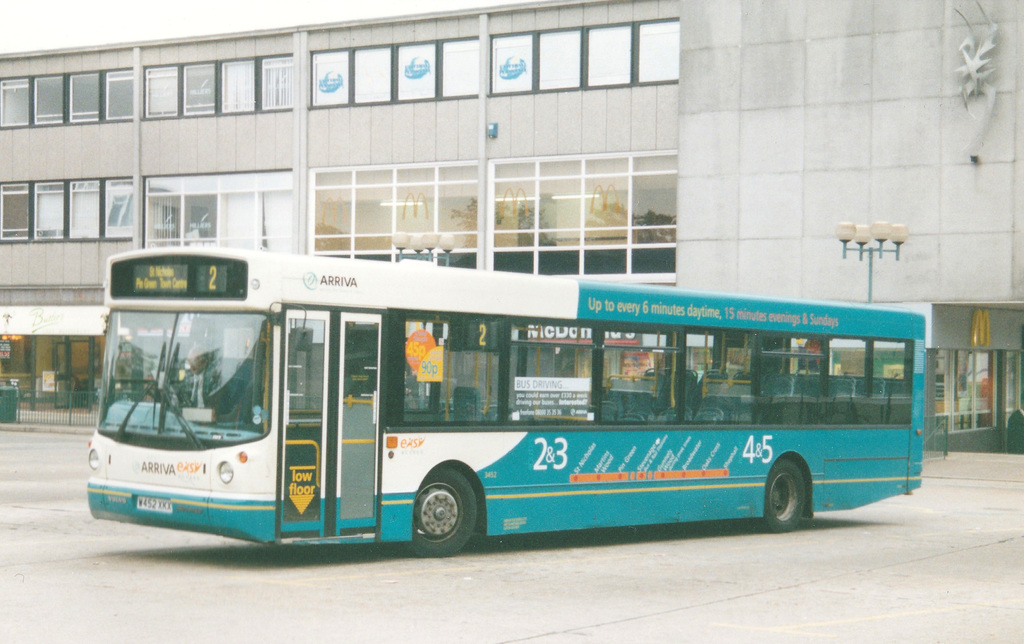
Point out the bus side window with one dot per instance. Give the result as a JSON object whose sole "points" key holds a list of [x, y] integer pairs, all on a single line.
{"points": [[550, 378], [451, 371], [640, 372], [719, 391]]}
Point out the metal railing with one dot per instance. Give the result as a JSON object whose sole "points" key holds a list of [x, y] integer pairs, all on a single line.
{"points": [[48, 407]]}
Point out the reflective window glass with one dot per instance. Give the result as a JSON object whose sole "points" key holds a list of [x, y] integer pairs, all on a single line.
{"points": [[461, 60], [200, 89], [512, 64], [330, 78], [659, 52], [162, 91], [373, 75], [85, 97], [49, 100], [559, 60], [14, 102], [609, 52], [120, 95]]}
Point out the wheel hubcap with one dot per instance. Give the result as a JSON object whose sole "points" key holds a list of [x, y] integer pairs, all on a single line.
{"points": [[439, 512], [783, 498]]}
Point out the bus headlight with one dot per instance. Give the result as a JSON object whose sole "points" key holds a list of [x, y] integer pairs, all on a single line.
{"points": [[225, 471], [94, 459]]}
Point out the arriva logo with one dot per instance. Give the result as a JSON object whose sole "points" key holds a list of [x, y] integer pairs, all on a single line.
{"points": [[312, 281], [330, 83], [512, 69], [417, 68]]}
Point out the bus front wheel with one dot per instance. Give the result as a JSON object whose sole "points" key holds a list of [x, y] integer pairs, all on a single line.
{"points": [[784, 497], [444, 514]]}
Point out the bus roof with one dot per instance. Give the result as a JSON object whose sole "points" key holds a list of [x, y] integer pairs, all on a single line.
{"points": [[311, 280]]}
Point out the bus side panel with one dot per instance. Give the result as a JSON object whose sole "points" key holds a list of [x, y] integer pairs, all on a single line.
{"points": [[560, 481]]}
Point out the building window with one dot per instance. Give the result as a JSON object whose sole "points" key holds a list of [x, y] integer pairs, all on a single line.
{"points": [[238, 86], [659, 52], [330, 78], [49, 100], [49, 210], [85, 97], [512, 64], [416, 71], [559, 60], [973, 402], [14, 211], [578, 215], [358, 210], [162, 92], [14, 102], [461, 60], [200, 89], [373, 75], [85, 209], [277, 83], [119, 218], [240, 211], [609, 56], [120, 95]]}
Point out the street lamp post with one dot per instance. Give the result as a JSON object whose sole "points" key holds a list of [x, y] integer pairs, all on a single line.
{"points": [[423, 246], [862, 234]]}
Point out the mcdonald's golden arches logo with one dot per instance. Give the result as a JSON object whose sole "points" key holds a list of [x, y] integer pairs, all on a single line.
{"points": [[416, 201], [514, 197], [981, 328], [604, 193]]}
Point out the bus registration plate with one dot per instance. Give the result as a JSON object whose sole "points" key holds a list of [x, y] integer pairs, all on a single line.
{"points": [[151, 504]]}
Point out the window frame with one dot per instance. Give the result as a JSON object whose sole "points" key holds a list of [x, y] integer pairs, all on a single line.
{"points": [[15, 85], [89, 116], [114, 78], [325, 57], [277, 64], [224, 77], [163, 72], [39, 190], [49, 119], [15, 189], [80, 187], [203, 109]]}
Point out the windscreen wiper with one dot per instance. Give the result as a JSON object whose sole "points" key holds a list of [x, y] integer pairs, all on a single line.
{"points": [[171, 401]]}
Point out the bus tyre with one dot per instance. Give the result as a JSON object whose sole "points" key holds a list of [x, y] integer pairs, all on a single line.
{"points": [[444, 515], [784, 497]]}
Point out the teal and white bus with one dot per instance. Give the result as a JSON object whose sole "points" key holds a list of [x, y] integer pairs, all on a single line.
{"points": [[281, 398]]}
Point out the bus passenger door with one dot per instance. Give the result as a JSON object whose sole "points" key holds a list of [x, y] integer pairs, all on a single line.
{"points": [[307, 356], [356, 477]]}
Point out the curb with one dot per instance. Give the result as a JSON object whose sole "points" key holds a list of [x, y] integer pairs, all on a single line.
{"points": [[69, 430]]}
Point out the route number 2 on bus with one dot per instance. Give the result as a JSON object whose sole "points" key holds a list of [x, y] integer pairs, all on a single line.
{"points": [[554, 456], [761, 450]]}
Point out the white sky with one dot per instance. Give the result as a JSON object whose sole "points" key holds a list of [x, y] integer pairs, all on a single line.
{"points": [[41, 25]]}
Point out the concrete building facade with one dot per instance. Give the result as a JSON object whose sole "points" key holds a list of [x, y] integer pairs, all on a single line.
{"points": [[713, 145]]}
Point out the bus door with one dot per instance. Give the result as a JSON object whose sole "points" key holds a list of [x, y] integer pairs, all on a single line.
{"points": [[356, 477], [306, 360], [328, 475]]}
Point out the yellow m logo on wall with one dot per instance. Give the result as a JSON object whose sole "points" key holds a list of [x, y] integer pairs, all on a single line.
{"points": [[981, 329]]}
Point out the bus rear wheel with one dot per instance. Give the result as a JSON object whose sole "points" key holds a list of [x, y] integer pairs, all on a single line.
{"points": [[444, 515], [785, 497]]}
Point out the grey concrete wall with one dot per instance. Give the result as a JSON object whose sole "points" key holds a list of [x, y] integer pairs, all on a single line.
{"points": [[798, 114]]}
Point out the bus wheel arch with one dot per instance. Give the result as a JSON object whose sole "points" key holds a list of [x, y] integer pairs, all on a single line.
{"points": [[446, 510], [788, 494]]}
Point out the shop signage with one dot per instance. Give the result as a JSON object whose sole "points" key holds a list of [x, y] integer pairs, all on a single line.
{"points": [[53, 320]]}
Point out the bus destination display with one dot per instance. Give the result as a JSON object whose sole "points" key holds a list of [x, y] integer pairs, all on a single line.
{"points": [[179, 277], [163, 279]]}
